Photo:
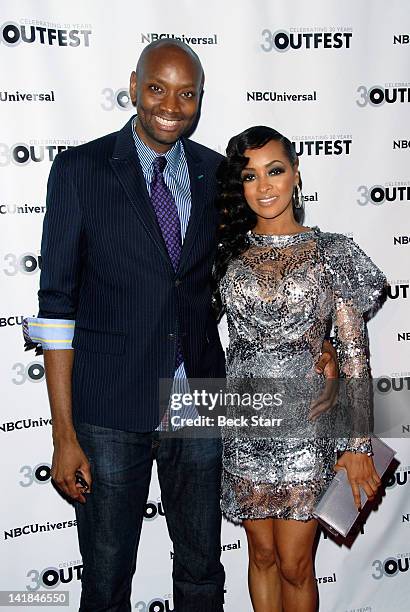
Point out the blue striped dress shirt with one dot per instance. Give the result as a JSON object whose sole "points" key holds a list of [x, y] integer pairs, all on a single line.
{"points": [[176, 177]]}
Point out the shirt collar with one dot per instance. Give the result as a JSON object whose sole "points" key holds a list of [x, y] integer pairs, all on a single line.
{"points": [[147, 155]]}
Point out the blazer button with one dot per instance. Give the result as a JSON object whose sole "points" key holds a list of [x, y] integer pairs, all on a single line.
{"points": [[171, 336], [178, 282]]}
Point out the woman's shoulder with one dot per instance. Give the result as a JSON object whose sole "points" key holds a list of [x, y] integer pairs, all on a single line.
{"points": [[354, 274], [333, 239], [339, 247]]}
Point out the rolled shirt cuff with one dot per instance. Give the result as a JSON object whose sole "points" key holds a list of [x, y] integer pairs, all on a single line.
{"points": [[49, 334]]}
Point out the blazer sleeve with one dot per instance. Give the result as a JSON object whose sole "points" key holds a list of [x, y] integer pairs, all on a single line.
{"points": [[61, 256], [61, 246]]}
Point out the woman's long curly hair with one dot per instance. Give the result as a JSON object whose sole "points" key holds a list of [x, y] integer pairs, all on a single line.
{"points": [[236, 217]]}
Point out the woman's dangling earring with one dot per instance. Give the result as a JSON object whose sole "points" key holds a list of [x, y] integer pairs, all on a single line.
{"points": [[298, 197]]}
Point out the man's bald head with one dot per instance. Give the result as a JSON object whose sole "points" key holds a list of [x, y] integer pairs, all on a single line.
{"points": [[171, 45], [166, 89]]}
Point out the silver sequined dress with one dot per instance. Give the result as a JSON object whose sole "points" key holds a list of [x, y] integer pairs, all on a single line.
{"points": [[279, 296]]}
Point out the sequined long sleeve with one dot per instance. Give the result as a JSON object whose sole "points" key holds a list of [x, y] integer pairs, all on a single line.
{"points": [[357, 286], [351, 347]]}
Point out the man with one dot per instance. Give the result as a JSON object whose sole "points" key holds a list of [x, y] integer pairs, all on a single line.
{"points": [[127, 251]]}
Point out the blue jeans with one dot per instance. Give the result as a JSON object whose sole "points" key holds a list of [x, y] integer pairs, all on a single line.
{"points": [[109, 523]]}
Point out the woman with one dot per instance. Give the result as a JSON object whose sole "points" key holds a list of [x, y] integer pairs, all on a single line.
{"points": [[280, 283]]}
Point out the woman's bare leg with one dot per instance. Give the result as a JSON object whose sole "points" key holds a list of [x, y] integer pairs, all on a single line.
{"points": [[293, 545], [263, 576]]}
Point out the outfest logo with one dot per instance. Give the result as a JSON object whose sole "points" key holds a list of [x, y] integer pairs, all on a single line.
{"points": [[25, 263], [153, 509], [395, 382], [377, 95], [377, 194], [390, 567], [400, 478], [44, 33], [326, 144], [53, 576], [116, 99], [157, 604], [306, 38], [399, 290], [23, 153]]}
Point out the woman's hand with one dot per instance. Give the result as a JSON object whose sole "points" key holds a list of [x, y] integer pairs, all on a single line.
{"points": [[361, 473]]}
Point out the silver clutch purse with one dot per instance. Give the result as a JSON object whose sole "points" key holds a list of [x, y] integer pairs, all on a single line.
{"points": [[336, 509]]}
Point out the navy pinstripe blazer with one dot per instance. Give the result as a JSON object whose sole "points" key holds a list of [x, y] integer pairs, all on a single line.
{"points": [[105, 264]]}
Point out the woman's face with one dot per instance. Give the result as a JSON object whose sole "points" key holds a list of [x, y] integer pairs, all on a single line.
{"points": [[269, 180]]}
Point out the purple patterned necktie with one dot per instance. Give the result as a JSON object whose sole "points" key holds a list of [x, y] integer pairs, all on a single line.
{"points": [[166, 211], [168, 220]]}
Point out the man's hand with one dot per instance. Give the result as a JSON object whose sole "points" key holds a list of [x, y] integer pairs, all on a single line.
{"points": [[328, 366], [69, 458], [361, 473], [327, 363]]}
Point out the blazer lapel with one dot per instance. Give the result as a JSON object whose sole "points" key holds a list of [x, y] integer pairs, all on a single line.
{"points": [[126, 166], [198, 179]]}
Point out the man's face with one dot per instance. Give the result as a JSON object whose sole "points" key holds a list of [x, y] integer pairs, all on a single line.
{"points": [[166, 93]]}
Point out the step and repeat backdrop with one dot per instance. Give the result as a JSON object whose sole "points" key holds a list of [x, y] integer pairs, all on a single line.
{"points": [[332, 76]]}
